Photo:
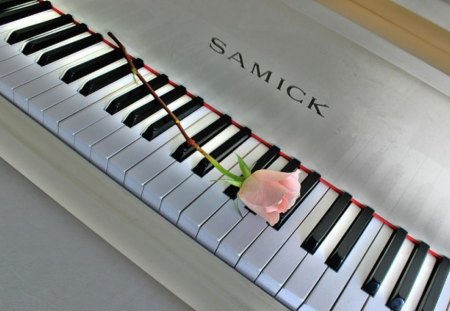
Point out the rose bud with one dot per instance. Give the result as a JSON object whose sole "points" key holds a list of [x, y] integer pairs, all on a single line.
{"points": [[269, 193]]}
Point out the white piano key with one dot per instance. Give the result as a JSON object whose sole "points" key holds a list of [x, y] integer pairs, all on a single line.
{"points": [[244, 234], [138, 175], [198, 184], [21, 5], [71, 116], [353, 297], [131, 87], [308, 273], [157, 188], [78, 84], [20, 45], [214, 230], [40, 17], [106, 148], [20, 77], [3, 37], [232, 246], [36, 55], [54, 95], [12, 53], [198, 204], [316, 214], [109, 146], [12, 65], [34, 71], [8, 51], [86, 138], [73, 87], [39, 104], [144, 124], [284, 262], [78, 112], [121, 162], [123, 114], [78, 57], [420, 283], [443, 302], [276, 273], [14, 60], [379, 301], [24, 93], [327, 290], [270, 241]]}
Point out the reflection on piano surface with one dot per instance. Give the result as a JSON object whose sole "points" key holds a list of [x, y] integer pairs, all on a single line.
{"points": [[331, 252]]}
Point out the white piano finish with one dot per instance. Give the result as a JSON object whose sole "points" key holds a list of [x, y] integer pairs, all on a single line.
{"points": [[49, 259], [172, 258], [381, 139]]}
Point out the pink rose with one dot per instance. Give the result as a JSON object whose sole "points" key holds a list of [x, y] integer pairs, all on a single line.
{"points": [[269, 193]]}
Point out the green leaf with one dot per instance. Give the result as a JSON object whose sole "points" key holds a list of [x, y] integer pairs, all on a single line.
{"points": [[245, 169], [233, 182]]}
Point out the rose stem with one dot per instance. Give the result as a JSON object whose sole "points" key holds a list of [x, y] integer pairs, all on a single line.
{"points": [[189, 140]]}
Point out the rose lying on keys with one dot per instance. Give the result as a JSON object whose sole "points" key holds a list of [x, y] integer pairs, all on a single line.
{"points": [[269, 193]]}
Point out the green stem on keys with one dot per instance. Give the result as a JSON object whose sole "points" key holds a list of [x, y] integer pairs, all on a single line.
{"points": [[237, 179]]}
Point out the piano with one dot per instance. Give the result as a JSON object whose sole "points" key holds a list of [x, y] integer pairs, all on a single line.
{"points": [[271, 80]]}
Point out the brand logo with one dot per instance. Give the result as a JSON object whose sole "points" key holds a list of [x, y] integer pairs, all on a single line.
{"points": [[294, 92]]}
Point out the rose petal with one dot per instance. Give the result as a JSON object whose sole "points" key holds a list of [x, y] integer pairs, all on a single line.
{"points": [[284, 205], [261, 193], [269, 193], [269, 175], [292, 196], [291, 183], [272, 218]]}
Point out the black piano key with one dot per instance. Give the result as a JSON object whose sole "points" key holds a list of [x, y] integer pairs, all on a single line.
{"points": [[348, 241], [381, 267], [307, 186], [321, 230], [434, 286], [65, 50], [291, 166], [267, 158], [7, 4], [90, 66], [221, 152], [408, 277], [166, 122], [51, 39], [36, 29], [185, 149], [109, 77], [135, 94], [9, 16], [263, 162], [150, 108]]}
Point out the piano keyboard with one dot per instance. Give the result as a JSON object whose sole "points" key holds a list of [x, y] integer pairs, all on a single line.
{"points": [[328, 252]]}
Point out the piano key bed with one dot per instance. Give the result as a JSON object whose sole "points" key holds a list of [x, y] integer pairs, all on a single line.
{"points": [[328, 252]]}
